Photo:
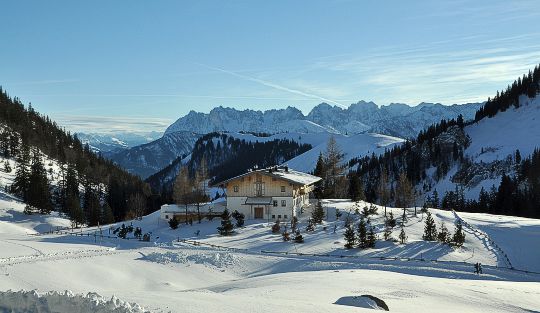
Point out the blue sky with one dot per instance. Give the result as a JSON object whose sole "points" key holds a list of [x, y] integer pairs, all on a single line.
{"points": [[113, 65]]}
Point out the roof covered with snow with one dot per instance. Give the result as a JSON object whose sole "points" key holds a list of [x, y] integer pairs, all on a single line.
{"points": [[281, 172]]}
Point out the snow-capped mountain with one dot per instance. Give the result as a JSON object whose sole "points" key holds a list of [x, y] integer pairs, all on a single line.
{"points": [[105, 142], [398, 120], [151, 157]]}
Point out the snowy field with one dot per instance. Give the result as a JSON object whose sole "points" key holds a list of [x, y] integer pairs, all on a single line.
{"points": [[165, 275]]}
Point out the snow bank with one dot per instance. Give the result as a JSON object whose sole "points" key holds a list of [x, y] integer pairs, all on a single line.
{"points": [[32, 301], [217, 259]]}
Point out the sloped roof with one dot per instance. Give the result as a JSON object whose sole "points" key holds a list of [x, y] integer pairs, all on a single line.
{"points": [[281, 172]]}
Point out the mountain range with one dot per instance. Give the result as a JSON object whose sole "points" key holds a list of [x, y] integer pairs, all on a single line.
{"points": [[396, 119]]}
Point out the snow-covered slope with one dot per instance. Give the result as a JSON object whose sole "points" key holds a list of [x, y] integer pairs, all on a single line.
{"points": [[395, 119], [492, 146], [165, 275], [352, 146]]}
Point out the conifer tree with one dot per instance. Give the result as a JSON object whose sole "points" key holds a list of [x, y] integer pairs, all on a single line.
{"points": [[443, 235], [402, 236], [38, 194], [430, 229], [320, 172], [239, 217], [21, 182], [391, 221], [371, 238], [317, 216], [76, 214], [226, 227], [362, 234], [107, 216], [350, 237], [459, 236]]}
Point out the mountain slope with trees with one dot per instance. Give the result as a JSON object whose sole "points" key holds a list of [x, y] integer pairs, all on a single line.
{"points": [[227, 156], [78, 183], [486, 165]]}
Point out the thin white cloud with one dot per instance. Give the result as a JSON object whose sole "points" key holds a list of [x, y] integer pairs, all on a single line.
{"points": [[111, 124], [275, 86]]}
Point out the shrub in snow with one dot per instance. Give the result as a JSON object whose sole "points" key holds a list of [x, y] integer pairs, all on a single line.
{"points": [[286, 236], [298, 238], [310, 227], [276, 227], [173, 223]]}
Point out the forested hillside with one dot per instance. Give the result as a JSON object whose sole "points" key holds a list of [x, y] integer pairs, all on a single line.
{"points": [[227, 156], [473, 162], [89, 189]]}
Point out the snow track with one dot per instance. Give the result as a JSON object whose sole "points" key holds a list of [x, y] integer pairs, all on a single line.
{"points": [[502, 257], [66, 255]]}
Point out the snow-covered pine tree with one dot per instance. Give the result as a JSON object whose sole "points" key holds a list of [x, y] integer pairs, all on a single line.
{"points": [[430, 229], [350, 237]]}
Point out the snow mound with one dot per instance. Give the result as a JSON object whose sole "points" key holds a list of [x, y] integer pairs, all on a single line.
{"points": [[218, 259], [66, 302], [364, 301]]}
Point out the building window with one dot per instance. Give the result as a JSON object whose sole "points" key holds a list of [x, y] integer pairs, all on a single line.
{"points": [[273, 216], [285, 216], [235, 188], [275, 202], [282, 188], [279, 216], [283, 202], [166, 216]]}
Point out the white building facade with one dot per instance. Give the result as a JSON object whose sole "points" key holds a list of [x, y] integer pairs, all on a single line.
{"points": [[271, 193]]}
